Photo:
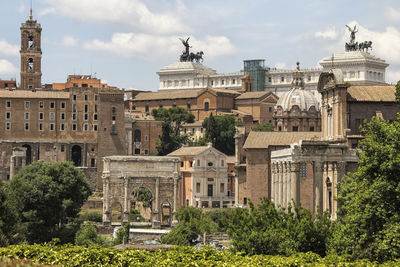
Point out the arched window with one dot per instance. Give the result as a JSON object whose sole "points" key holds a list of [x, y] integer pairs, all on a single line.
{"points": [[329, 189], [28, 154], [30, 42], [206, 106], [30, 64], [137, 137]]}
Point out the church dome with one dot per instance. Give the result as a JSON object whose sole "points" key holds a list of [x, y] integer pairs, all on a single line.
{"points": [[297, 96]]}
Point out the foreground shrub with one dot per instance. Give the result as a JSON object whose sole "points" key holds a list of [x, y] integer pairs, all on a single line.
{"points": [[88, 236]]}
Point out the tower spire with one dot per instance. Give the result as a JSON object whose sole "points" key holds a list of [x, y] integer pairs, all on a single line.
{"points": [[30, 15]]}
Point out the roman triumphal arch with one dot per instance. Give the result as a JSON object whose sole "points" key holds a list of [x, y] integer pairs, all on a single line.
{"points": [[123, 175]]}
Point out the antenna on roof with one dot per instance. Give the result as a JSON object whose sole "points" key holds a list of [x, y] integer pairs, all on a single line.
{"points": [[30, 15]]}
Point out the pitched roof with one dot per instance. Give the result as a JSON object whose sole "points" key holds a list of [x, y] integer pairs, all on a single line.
{"points": [[251, 95], [226, 91], [163, 95], [33, 94], [371, 93], [266, 139], [189, 151]]}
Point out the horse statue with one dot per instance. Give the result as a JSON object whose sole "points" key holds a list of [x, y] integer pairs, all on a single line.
{"points": [[198, 57], [365, 45]]}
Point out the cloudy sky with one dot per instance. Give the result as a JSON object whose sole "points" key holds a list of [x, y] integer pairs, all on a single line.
{"points": [[125, 42]]}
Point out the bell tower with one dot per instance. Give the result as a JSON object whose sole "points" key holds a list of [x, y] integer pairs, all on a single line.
{"points": [[31, 54]]}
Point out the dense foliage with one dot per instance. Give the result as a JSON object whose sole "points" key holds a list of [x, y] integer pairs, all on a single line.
{"points": [[171, 122], [369, 199], [9, 220], [91, 216], [69, 256], [192, 224], [88, 236], [220, 131], [47, 198], [265, 127], [267, 230]]}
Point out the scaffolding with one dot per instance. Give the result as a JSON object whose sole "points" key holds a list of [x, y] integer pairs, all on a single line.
{"points": [[256, 69]]}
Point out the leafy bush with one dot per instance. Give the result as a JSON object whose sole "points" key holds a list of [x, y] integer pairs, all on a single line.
{"points": [[265, 127], [135, 214], [88, 236], [192, 223], [69, 255], [92, 217], [267, 230], [222, 217], [122, 233]]}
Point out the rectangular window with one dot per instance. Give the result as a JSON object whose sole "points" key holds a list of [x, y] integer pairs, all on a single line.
{"points": [[8, 115], [40, 126], [41, 104], [8, 104], [95, 127], [62, 115], [52, 116], [282, 79], [96, 108], [51, 126], [52, 105], [27, 104], [86, 97], [86, 116], [197, 187], [63, 104], [8, 126], [86, 108], [74, 97], [62, 127], [74, 127], [62, 148], [41, 116], [74, 116], [245, 200], [96, 97], [73, 107], [95, 117], [233, 81], [86, 127], [303, 170], [222, 188], [26, 115], [26, 126]]}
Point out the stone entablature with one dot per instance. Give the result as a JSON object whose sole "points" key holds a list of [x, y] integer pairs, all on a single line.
{"points": [[123, 174]]}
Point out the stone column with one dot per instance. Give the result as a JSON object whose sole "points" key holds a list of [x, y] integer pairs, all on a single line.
{"points": [[12, 166], [295, 183], [280, 185], [284, 184], [174, 221], [289, 184], [156, 218], [106, 199], [129, 140], [317, 186], [125, 218], [237, 187], [276, 183], [272, 182], [340, 169]]}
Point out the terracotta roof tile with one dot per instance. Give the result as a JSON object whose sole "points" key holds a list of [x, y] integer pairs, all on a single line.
{"points": [[371, 93], [266, 139], [251, 95], [164, 95], [188, 151]]}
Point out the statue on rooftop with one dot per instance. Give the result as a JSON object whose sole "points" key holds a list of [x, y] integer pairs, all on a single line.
{"points": [[188, 56], [353, 45]]}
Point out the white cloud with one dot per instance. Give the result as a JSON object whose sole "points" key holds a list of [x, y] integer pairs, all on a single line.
{"points": [[132, 13], [147, 46], [392, 14], [69, 41], [7, 68], [280, 65], [21, 8], [392, 76], [7, 49], [329, 33]]}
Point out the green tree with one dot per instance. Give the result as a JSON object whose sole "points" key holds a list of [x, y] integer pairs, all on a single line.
{"points": [[397, 93], [267, 230], [9, 221], [192, 223], [171, 122], [88, 236], [48, 198], [369, 215], [220, 130], [122, 233], [265, 127]]}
